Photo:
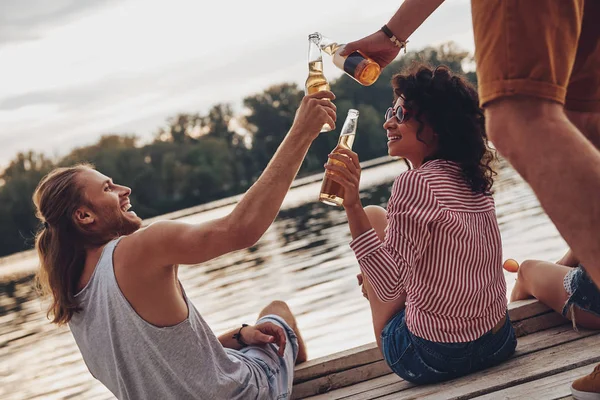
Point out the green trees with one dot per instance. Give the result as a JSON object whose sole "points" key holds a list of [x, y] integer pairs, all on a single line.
{"points": [[198, 158]]}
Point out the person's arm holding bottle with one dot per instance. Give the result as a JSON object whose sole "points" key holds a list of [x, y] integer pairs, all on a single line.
{"points": [[378, 46], [348, 175], [376, 262]]}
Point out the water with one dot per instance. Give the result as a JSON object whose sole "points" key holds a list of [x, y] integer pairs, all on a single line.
{"points": [[303, 259]]}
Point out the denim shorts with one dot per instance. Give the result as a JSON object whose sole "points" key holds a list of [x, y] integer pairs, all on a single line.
{"points": [[583, 293], [421, 361], [279, 370]]}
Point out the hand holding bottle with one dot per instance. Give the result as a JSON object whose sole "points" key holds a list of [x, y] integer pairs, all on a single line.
{"points": [[332, 192], [359, 67], [315, 110], [345, 171], [377, 46]]}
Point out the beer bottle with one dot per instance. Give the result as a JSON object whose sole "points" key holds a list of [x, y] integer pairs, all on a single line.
{"points": [[316, 81], [332, 193], [357, 65]]}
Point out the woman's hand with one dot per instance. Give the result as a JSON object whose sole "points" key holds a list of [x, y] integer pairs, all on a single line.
{"points": [[264, 333], [361, 283], [343, 167]]}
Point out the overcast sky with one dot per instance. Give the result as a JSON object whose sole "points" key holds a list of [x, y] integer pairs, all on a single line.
{"points": [[72, 70]]}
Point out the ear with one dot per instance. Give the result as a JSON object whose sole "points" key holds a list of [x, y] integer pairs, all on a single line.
{"points": [[84, 216]]}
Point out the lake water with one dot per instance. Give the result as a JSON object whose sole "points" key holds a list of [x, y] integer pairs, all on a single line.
{"points": [[303, 259]]}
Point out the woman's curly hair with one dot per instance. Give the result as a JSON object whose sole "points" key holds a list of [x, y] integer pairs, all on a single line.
{"points": [[450, 105]]}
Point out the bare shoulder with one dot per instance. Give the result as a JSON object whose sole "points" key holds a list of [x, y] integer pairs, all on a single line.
{"points": [[142, 246], [167, 243]]}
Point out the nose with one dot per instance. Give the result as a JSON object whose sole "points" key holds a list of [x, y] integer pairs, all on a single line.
{"points": [[390, 123], [125, 191]]}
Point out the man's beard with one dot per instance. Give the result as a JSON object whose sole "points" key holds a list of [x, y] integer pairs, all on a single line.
{"points": [[117, 224]]}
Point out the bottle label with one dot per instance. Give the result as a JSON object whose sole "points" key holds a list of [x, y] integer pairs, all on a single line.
{"points": [[354, 64]]}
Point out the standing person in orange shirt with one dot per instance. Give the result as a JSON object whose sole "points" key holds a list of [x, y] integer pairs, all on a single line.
{"points": [[538, 68]]}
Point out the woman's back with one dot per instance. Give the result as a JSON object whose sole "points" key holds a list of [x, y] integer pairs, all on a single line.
{"points": [[455, 286]]}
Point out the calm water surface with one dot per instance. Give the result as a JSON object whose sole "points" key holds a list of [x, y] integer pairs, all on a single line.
{"points": [[303, 259]]}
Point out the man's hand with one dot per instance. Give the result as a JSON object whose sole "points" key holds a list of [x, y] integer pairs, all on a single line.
{"points": [[265, 333], [377, 46], [410, 15], [315, 110]]}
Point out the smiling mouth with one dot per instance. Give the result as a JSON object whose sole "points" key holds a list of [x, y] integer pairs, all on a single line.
{"points": [[126, 207], [394, 138]]}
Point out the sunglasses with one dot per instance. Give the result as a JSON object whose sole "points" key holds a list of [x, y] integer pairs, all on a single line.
{"points": [[400, 113]]}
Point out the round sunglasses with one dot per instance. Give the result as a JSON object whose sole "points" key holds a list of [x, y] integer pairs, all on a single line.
{"points": [[400, 113]]}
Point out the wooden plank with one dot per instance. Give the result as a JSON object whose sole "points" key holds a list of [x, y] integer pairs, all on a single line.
{"points": [[361, 387], [340, 379], [369, 353], [555, 336], [553, 387], [515, 371], [538, 323], [324, 375], [337, 362], [527, 345], [524, 309]]}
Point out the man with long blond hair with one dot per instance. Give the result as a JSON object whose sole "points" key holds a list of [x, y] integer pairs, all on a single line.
{"points": [[116, 284]]}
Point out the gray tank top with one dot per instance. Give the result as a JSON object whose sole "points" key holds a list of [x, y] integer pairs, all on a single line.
{"points": [[137, 360]]}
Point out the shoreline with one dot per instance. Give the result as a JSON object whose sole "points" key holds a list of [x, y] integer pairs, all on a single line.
{"points": [[22, 264]]}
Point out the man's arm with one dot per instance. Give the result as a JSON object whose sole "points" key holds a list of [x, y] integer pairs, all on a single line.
{"points": [[171, 242], [257, 335], [410, 15]]}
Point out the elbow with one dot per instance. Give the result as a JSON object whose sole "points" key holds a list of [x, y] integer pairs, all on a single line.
{"points": [[244, 236], [243, 241]]}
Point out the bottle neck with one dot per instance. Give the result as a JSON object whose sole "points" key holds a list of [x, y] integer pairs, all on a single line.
{"points": [[346, 140], [329, 46], [314, 51], [348, 131]]}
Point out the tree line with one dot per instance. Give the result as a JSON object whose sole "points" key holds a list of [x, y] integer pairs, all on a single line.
{"points": [[201, 157]]}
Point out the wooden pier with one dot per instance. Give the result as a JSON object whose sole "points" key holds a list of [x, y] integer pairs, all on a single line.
{"points": [[550, 355]]}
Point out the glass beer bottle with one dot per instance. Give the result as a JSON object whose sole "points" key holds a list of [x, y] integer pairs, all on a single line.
{"points": [[316, 80], [332, 193], [357, 65]]}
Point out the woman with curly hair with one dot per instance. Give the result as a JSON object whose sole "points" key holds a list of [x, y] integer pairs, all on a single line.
{"points": [[431, 263]]}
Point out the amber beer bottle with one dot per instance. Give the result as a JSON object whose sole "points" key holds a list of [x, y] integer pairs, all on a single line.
{"points": [[357, 65], [332, 193], [316, 80]]}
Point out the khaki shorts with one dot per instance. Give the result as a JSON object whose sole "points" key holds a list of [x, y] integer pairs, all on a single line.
{"points": [[548, 49]]}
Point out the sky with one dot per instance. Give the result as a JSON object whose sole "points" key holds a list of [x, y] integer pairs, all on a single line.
{"points": [[73, 70]]}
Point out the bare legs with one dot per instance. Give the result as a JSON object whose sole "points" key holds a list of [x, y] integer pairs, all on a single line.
{"points": [[282, 310], [555, 158], [544, 281]]}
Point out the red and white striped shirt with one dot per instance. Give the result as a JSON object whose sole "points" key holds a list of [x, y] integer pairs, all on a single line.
{"points": [[443, 249]]}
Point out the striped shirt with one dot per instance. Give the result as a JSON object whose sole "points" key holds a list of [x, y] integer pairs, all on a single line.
{"points": [[442, 248]]}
